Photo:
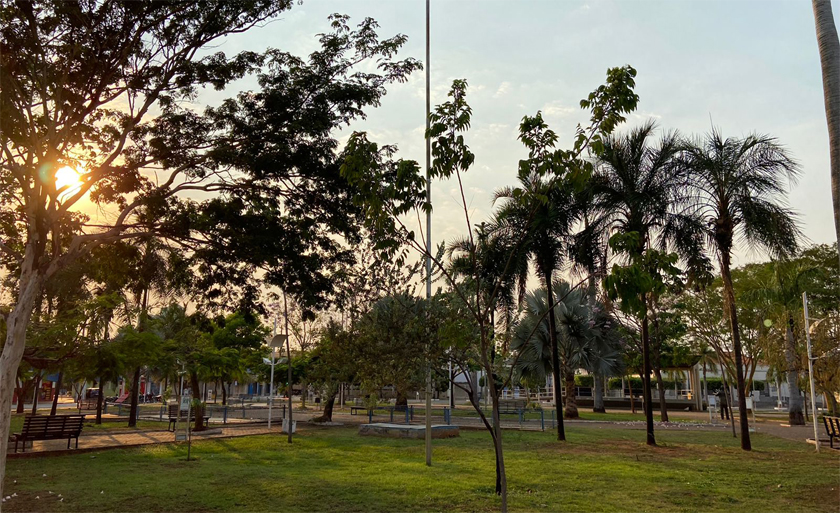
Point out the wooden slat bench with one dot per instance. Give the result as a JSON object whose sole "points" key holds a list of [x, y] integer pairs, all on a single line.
{"points": [[832, 429], [175, 415], [50, 427]]}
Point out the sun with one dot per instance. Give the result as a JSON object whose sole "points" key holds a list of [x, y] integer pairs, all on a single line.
{"points": [[67, 177]]}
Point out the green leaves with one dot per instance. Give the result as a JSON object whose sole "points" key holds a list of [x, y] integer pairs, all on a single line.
{"points": [[649, 273], [447, 122]]}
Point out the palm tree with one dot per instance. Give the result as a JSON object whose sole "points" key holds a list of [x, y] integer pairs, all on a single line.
{"points": [[737, 188], [586, 335], [544, 209], [638, 188], [830, 62]]}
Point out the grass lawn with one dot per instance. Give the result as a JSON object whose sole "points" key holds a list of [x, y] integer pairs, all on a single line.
{"points": [[334, 469]]}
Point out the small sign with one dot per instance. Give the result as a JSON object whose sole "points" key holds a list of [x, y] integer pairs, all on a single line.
{"points": [[712, 401], [749, 403], [185, 403], [180, 437]]}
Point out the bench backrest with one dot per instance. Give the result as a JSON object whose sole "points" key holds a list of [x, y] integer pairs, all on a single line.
{"points": [[832, 425], [513, 403], [41, 425]]}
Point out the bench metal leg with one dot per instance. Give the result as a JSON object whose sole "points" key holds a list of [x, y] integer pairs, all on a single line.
{"points": [[16, 442], [69, 438]]}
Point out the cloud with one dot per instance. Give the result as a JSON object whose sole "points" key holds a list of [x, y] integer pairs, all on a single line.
{"points": [[557, 109], [504, 88]]}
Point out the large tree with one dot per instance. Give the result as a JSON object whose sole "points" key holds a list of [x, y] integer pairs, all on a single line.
{"points": [[639, 194], [545, 210], [738, 188], [106, 88]]}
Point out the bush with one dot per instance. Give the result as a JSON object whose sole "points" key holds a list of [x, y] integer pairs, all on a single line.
{"points": [[584, 381]]}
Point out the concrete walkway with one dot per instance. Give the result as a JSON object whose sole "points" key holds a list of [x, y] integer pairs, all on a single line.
{"points": [[123, 439]]}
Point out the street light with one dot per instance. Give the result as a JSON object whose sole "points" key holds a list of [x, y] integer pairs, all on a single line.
{"points": [[275, 342], [808, 329]]}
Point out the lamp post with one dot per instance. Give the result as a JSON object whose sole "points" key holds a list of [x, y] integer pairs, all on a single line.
{"points": [[271, 382], [811, 367], [276, 341], [289, 358], [428, 244]]}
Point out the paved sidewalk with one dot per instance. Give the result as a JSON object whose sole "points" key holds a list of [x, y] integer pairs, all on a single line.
{"points": [[118, 439]]}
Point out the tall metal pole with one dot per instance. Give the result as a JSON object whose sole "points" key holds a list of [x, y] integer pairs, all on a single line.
{"points": [[811, 370], [428, 245], [271, 384], [289, 358]]}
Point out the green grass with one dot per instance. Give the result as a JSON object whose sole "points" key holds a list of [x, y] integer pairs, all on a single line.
{"points": [[334, 469]]}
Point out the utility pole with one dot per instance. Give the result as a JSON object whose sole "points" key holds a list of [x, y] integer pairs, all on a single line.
{"points": [[428, 245]]}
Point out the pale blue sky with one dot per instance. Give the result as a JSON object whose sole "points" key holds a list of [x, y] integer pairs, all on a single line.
{"points": [[747, 66]]}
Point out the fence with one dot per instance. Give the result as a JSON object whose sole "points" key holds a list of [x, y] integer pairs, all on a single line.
{"points": [[241, 412]]}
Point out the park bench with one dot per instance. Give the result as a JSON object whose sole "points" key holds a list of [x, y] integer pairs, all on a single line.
{"points": [[512, 405], [832, 428], [50, 427], [175, 415], [87, 404]]}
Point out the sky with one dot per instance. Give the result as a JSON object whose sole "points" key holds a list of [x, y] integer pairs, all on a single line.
{"points": [[742, 66]]}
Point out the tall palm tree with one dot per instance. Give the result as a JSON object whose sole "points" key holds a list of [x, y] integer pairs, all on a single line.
{"points": [[544, 209], [639, 187], [738, 188], [829, 46]]}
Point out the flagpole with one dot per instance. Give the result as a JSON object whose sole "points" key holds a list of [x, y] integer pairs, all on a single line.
{"points": [[428, 245]]}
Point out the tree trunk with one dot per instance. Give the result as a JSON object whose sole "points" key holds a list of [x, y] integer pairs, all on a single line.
{"points": [[795, 408], [831, 401], [135, 398], [660, 386], [598, 399], [829, 46], [555, 358], [20, 391], [55, 396], [648, 399], [571, 400], [16, 323], [705, 385], [727, 394], [35, 395], [99, 401], [328, 406], [729, 297], [224, 393], [199, 409], [496, 432]]}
